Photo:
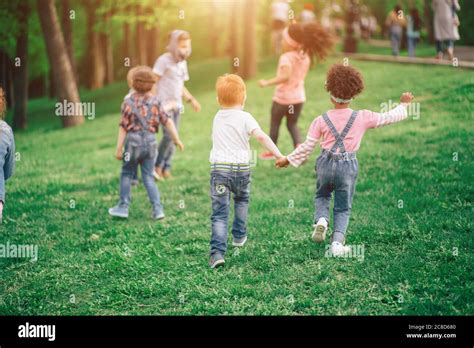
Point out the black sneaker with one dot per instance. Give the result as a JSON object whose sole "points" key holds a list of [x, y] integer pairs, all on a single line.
{"points": [[216, 260]]}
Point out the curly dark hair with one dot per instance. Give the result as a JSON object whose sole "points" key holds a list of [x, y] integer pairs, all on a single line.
{"points": [[317, 42], [344, 82]]}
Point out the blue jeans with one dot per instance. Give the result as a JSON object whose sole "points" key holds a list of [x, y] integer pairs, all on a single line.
{"points": [[223, 183], [167, 148], [338, 175], [7, 156], [140, 149], [412, 46], [395, 39]]}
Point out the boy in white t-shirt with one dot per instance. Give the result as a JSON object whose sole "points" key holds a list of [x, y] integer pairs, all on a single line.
{"points": [[230, 164]]}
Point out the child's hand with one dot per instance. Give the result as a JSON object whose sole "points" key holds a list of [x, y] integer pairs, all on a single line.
{"points": [[118, 154], [282, 162], [263, 83], [195, 105], [406, 97], [180, 145]]}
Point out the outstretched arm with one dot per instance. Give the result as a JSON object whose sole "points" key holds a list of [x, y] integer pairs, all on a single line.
{"points": [[267, 142], [299, 155], [377, 120], [283, 75]]}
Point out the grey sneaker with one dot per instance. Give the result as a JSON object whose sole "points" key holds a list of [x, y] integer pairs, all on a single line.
{"points": [[118, 211], [239, 242], [216, 260], [157, 214]]}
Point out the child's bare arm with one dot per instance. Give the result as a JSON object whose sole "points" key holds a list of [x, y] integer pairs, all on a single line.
{"points": [[267, 142], [283, 75], [122, 133], [190, 99], [174, 134]]}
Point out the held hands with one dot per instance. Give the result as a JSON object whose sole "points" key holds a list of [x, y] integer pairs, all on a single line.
{"points": [[406, 97], [263, 83], [282, 162]]}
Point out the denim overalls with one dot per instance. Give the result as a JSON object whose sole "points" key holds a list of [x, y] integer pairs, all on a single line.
{"points": [[140, 149], [336, 172], [7, 156], [228, 178]]}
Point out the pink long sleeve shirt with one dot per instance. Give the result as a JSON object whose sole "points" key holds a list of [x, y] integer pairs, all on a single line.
{"points": [[319, 130]]}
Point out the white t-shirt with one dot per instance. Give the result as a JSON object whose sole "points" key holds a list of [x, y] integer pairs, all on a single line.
{"points": [[231, 132], [280, 11], [169, 87]]}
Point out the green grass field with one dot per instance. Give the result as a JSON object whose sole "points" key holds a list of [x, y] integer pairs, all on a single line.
{"points": [[418, 258]]}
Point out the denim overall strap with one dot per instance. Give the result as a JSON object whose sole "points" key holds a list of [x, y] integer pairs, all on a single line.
{"points": [[340, 137], [144, 122]]}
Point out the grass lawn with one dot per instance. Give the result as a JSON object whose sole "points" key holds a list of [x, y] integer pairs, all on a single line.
{"points": [[418, 258]]}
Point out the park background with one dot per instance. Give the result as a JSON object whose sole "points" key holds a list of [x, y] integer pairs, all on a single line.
{"points": [[412, 209]]}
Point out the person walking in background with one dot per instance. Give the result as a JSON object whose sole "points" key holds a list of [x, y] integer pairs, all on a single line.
{"points": [[445, 26], [280, 14], [413, 30], [308, 15], [395, 23], [7, 152], [171, 70]]}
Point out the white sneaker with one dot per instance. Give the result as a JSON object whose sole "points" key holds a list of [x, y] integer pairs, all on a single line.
{"points": [[320, 229], [239, 242], [338, 249]]}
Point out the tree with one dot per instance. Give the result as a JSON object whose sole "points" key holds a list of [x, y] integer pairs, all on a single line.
{"points": [[59, 60], [20, 76], [234, 38], [140, 46], [249, 66], [68, 37], [94, 57]]}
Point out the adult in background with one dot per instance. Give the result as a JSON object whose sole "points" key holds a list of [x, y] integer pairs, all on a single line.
{"points": [[395, 23], [445, 26], [413, 30], [308, 15], [280, 14]]}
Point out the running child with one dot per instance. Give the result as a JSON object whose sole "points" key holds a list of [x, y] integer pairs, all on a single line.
{"points": [[172, 71], [340, 131], [7, 152], [301, 43], [136, 144], [230, 164]]}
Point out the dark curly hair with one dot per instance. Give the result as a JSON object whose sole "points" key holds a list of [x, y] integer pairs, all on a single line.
{"points": [[344, 82], [317, 42]]}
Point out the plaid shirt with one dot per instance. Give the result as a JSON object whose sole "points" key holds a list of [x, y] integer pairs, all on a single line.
{"points": [[129, 120]]}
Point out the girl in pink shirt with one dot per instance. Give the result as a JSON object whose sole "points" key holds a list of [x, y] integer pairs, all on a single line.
{"points": [[301, 44], [339, 132]]}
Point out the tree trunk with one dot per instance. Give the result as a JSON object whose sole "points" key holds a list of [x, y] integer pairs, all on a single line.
{"points": [[153, 50], [59, 60], [249, 69], [21, 70], [140, 46], [213, 28], [108, 56], [233, 37], [68, 37], [6, 77], [94, 58], [428, 14]]}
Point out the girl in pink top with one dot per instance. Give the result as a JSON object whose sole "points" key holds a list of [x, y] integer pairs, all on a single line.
{"points": [[339, 132], [301, 44]]}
